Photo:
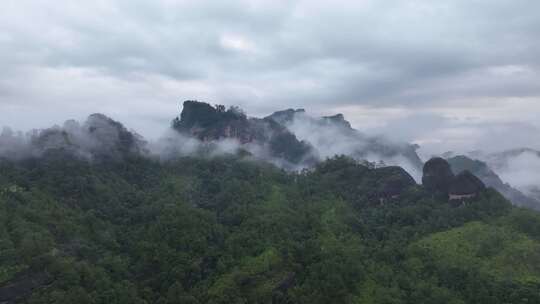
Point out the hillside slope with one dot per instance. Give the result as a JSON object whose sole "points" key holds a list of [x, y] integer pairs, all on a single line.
{"points": [[226, 230]]}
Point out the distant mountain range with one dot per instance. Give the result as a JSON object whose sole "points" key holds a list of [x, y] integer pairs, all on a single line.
{"points": [[291, 139], [293, 136], [92, 213], [331, 135]]}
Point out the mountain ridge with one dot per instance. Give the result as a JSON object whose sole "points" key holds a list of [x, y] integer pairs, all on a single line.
{"points": [[289, 138], [227, 228], [488, 175]]}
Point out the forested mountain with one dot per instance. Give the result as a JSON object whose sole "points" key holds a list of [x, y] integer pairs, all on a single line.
{"points": [[491, 179], [97, 138], [227, 230], [92, 213], [291, 138], [208, 123], [333, 135]]}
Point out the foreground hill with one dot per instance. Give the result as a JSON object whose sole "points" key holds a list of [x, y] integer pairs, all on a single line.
{"points": [[227, 230]]}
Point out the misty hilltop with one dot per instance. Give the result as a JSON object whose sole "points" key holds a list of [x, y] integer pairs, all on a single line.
{"points": [[270, 152], [208, 124], [98, 137], [514, 173], [290, 139], [227, 208], [222, 230]]}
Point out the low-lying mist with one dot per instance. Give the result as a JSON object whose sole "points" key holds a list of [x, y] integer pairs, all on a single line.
{"points": [[173, 144], [521, 170], [100, 135], [332, 136]]}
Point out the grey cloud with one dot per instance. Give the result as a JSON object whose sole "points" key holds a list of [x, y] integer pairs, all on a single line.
{"points": [[437, 134], [135, 60]]}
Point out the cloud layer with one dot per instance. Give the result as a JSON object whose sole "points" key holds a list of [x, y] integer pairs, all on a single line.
{"points": [[457, 75]]}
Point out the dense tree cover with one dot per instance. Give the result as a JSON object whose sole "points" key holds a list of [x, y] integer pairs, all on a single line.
{"points": [[225, 230]]}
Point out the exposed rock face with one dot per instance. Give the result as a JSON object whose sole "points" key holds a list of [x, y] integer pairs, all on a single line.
{"points": [[292, 135], [465, 184], [437, 175], [208, 123]]}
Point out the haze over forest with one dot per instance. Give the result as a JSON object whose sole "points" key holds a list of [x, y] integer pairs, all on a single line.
{"points": [[257, 151], [454, 76]]}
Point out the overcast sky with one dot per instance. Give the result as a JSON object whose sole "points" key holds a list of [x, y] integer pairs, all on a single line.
{"points": [[450, 75]]}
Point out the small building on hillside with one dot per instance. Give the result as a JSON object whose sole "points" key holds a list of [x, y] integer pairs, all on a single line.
{"points": [[464, 186]]}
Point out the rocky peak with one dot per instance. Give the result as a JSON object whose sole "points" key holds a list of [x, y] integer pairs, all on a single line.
{"points": [[208, 123], [203, 115], [437, 175]]}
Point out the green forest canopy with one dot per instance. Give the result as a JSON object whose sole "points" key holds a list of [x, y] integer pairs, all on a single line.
{"points": [[226, 230]]}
